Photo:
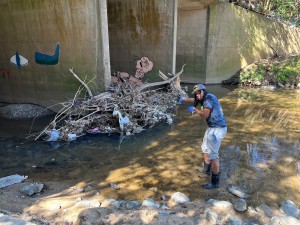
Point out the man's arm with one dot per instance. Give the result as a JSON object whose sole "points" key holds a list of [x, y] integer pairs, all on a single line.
{"points": [[203, 113], [186, 99]]}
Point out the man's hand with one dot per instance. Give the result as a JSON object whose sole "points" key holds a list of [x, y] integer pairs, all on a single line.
{"points": [[181, 98], [191, 109]]}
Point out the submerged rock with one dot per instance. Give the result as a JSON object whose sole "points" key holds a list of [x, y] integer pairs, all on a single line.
{"points": [[32, 189], [150, 203], [278, 220], [23, 111], [132, 205], [220, 204], [178, 198], [240, 205], [290, 208], [110, 202], [266, 210], [232, 220], [237, 191], [10, 180], [211, 215]]}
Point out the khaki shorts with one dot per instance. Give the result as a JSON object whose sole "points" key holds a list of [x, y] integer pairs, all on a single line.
{"points": [[212, 141]]}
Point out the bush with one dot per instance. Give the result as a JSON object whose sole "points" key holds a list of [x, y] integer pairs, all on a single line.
{"points": [[287, 72]]}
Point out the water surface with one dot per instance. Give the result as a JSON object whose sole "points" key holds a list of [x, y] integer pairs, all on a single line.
{"points": [[259, 154]]}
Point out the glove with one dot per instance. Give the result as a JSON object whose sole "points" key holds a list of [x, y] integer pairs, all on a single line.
{"points": [[191, 109], [180, 99]]}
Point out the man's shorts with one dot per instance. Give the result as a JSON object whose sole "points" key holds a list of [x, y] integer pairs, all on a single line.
{"points": [[212, 141]]}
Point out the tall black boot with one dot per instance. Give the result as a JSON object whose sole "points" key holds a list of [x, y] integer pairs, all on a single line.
{"points": [[215, 179], [205, 169]]}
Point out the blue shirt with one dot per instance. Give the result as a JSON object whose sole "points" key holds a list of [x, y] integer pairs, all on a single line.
{"points": [[216, 117]]}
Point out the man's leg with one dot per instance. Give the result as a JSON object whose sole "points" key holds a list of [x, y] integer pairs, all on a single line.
{"points": [[205, 158], [215, 179], [215, 166], [206, 169], [213, 143]]}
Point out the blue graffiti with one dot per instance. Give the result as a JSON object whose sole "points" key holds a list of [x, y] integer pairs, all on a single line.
{"points": [[45, 59], [18, 60]]}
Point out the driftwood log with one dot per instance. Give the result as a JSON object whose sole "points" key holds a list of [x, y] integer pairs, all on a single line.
{"points": [[123, 109]]}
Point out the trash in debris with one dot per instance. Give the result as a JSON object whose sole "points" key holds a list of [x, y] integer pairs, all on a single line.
{"points": [[136, 108], [71, 137], [54, 135]]}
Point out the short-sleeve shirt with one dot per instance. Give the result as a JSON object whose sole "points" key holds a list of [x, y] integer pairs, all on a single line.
{"points": [[216, 117]]}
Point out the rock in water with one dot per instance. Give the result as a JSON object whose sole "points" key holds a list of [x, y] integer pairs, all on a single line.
{"points": [[23, 111], [32, 189], [178, 198], [10, 180], [237, 191]]}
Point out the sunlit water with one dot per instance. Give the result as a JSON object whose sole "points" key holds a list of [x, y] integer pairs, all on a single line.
{"points": [[260, 153]]}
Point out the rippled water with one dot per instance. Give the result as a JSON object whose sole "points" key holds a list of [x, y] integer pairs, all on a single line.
{"points": [[260, 153]]}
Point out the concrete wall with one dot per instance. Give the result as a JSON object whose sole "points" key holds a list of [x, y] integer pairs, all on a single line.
{"points": [[238, 37], [36, 26], [191, 44], [140, 28], [215, 41]]}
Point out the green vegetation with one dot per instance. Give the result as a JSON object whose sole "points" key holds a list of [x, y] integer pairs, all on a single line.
{"points": [[285, 73], [255, 76], [287, 10]]}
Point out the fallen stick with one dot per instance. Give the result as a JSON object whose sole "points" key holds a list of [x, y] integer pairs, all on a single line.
{"points": [[84, 84], [161, 83]]}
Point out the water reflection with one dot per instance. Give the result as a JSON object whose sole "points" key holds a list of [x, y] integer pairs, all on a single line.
{"points": [[259, 153], [256, 157], [266, 153]]}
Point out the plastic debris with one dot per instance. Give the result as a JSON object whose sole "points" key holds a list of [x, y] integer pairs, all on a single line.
{"points": [[72, 137], [54, 135], [122, 120], [94, 130]]}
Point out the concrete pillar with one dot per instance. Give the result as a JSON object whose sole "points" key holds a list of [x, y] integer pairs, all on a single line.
{"points": [[102, 47], [175, 19], [206, 43]]}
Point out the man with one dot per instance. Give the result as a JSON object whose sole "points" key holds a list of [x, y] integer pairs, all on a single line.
{"points": [[211, 110]]}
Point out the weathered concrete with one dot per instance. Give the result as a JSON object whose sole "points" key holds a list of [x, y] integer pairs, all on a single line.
{"points": [[238, 37], [36, 26], [217, 39], [141, 28], [103, 56], [194, 5], [191, 44], [175, 28], [214, 38]]}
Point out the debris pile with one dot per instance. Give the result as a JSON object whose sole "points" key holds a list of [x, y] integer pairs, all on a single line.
{"points": [[122, 109]]}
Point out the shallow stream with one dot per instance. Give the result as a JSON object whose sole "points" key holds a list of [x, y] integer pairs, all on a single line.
{"points": [[260, 153]]}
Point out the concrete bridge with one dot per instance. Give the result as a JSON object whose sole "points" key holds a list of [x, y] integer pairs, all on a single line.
{"points": [[42, 39]]}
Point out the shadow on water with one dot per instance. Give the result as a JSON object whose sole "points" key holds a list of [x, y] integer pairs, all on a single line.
{"points": [[259, 154]]}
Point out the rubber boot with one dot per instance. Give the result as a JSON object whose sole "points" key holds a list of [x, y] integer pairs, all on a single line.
{"points": [[205, 169], [215, 179]]}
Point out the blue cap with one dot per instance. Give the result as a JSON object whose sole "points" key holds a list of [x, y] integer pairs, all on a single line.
{"points": [[199, 87]]}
